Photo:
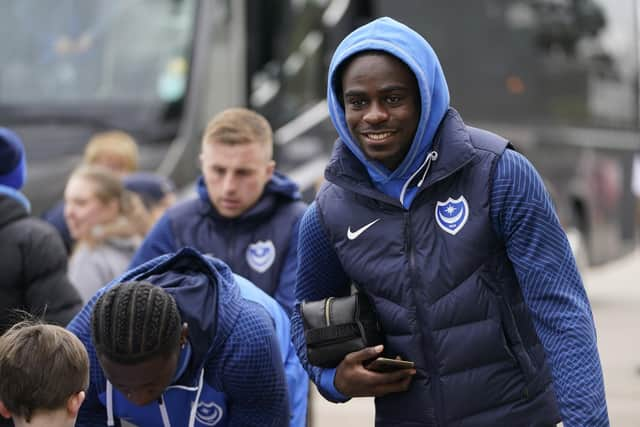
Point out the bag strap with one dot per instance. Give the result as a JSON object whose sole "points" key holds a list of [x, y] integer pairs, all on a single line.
{"points": [[337, 332], [332, 332]]}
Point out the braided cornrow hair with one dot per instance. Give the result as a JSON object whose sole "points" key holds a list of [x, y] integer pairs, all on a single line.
{"points": [[134, 322]]}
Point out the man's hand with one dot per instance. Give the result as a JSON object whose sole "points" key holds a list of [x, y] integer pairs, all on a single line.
{"points": [[354, 380]]}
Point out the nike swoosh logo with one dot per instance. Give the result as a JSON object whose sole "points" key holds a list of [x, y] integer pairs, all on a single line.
{"points": [[354, 234]]}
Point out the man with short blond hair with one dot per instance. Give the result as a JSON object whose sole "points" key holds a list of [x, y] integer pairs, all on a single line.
{"points": [[246, 213], [240, 126], [237, 164]]}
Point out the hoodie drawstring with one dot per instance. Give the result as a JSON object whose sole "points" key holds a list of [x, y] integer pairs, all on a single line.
{"points": [[194, 407], [163, 409], [163, 413], [432, 156], [110, 421]]}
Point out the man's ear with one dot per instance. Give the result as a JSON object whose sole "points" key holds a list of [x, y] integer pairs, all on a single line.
{"points": [[271, 167], [74, 402], [184, 334], [4, 411]]}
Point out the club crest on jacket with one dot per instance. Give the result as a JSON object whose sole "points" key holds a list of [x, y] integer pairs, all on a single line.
{"points": [[260, 255], [209, 414], [452, 214]]}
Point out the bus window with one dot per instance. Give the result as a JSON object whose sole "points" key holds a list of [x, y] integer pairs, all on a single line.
{"points": [[83, 51]]}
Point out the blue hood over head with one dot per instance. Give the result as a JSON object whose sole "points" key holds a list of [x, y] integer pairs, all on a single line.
{"points": [[394, 38], [196, 282]]}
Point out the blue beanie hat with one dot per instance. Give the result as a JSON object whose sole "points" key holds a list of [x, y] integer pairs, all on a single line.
{"points": [[13, 160], [151, 187]]}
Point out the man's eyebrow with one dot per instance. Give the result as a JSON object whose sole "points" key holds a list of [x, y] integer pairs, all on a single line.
{"points": [[384, 89], [393, 87], [354, 92]]}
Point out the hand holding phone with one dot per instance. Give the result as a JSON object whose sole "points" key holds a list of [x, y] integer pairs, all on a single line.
{"points": [[384, 364], [353, 379]]}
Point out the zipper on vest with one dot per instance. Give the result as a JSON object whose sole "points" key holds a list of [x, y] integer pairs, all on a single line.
{"points": [[327, 310], [415, 281]]}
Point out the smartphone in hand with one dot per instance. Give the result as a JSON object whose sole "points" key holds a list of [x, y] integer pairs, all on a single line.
{"points": [[384, 364]]}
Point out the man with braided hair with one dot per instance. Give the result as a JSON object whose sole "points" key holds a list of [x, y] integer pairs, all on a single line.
{"points": [[176, 342]]}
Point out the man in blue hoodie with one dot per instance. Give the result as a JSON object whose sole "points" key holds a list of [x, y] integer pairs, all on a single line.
{"points": [[182, 341], [246, 213], [453, 236]]}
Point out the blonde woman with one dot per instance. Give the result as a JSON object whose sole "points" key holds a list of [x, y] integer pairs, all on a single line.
{"points": [[108, 223], [115, 150]]}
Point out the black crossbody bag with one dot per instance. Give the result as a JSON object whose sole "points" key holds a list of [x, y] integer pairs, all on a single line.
{"points": [[337, 326]]}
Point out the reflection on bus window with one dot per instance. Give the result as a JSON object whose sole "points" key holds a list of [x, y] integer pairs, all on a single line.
{"points": [[568, 62], [293, 79], [95, 50]]}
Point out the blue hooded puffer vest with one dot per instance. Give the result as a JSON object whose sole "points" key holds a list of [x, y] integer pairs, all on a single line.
{"points": [[450, 302], [255, 245]]}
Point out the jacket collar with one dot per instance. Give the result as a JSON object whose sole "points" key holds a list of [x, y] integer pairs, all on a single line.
{"points": [[11, 209], [17, 195], [452, 143]]}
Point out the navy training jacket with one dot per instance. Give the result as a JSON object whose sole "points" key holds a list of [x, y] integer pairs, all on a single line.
{"points": [[259, 245], [234, 372]]}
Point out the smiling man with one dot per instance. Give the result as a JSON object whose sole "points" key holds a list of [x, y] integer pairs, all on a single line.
{"points": [[454, 238], [246, 213]]}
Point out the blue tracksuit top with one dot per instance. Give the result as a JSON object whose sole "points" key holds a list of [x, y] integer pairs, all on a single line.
{"points": [[297, 384], [260, 244], [546, 311], [232, 364]]}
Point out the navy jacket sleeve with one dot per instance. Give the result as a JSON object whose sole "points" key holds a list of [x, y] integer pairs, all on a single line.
{"points": [[285, 293], [298, 386], [522, 213], [159, 241], [249, 370], [319, 275]]}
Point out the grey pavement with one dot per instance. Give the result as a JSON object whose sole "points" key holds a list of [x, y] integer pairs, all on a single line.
{"points": [[614, 292]]}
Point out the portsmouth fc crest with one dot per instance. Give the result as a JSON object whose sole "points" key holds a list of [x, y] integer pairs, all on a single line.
{"points": [[452, 214], [209, 414], [260, 255]]}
